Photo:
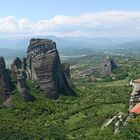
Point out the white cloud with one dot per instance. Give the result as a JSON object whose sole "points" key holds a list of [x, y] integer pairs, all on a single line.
{"points": [[103, 24]]}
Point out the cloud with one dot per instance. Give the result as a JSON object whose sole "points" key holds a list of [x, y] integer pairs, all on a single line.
{"points": [[96, 24], [11, 25]]}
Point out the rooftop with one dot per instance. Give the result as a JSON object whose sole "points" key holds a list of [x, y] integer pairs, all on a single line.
{"points": [[136, 81]]}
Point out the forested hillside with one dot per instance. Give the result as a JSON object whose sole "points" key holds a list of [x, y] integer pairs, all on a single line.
{"points": [[74, 117]]}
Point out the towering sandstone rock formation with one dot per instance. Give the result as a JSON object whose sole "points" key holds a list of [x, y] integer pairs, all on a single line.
{"points": [[5, 81], [19, 76], [108, 67], [43, 66], [16, 66]]}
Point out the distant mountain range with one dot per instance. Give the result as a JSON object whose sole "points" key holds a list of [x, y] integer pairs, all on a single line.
{"points": [[11, 53], [69, 45]]}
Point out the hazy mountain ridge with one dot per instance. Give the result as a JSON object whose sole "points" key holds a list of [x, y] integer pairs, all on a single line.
{"points": [[72, 45], [11, 53]]}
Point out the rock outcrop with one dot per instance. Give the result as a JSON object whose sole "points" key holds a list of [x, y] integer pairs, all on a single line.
{"points": [[5, 81], [16, 66], [23, 88], [19, 76], [41, 65], [113, 64], [44, 67], [105, 69], [66, 70], [108, 67]]}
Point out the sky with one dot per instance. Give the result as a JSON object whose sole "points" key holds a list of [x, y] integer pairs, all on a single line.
{"points": [[86, 18]]}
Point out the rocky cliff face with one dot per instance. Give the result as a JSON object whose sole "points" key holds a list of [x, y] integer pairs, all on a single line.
{"points": [[44, 67], [5, 81], [23, 88], [19, 76], [105, 69], [66, 70], [108, 67], [15, 67]]}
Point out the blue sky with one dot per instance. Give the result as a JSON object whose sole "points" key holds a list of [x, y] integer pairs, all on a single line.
{"points": [[40, 9], [89, 18]]}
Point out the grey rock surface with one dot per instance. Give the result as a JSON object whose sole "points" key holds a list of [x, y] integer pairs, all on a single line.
{"points": [[5, 81], [44, 67], [23, 88]]}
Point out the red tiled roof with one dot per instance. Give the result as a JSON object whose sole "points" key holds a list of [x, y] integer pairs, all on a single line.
{"points": [[136, 109], [137, 81]]}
